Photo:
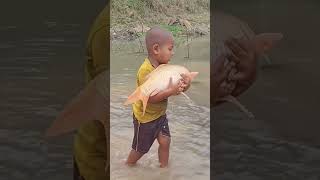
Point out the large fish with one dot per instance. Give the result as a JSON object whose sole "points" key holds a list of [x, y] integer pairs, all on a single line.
{"points": [[157, 81], [225, 27], [92, 103]]}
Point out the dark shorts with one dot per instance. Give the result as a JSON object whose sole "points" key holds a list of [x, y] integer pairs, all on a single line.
{"points": [[146, 133]]}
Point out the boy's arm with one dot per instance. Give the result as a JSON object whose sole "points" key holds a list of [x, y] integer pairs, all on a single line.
{"points": [[161, 96], [186, 82]]}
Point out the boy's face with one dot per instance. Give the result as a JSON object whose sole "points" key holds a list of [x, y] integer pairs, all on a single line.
{"points": [[166, 51]]}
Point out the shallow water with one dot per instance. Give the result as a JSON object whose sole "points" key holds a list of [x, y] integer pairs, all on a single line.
{"points": [[188, 120]]}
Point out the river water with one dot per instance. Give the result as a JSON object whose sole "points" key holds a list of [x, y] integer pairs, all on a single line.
{"points": [[42, 59], [189, 121]]}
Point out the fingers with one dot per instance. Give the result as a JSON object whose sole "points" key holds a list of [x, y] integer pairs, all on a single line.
{"points": [[226, 71], [233, 58], [235, 47], [231, 86], [179, 85], [180, 90], [226, 88], [185, 78], [231, 74], [237, 77], [219, 76], [219, 63], [184, 85]]}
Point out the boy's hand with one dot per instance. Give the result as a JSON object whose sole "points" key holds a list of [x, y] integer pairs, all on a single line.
{"points": [[243, 55], [185, 82], [218, 75], [175, 89]]}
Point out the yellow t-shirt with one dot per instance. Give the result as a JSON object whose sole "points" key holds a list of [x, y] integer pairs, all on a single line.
{"points": [[153, 110], [91, 151]]}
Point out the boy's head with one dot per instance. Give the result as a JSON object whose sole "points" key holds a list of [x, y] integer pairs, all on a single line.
{"points": [[159, 44]]}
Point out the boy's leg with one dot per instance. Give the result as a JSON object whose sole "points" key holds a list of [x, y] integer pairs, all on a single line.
{"points": [[144, 137], [163, 150], [164, 139], [133, 157]]}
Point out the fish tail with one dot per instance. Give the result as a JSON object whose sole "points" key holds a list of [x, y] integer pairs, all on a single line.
{"points": [[144, 103], [136, 96], [192, 75]]}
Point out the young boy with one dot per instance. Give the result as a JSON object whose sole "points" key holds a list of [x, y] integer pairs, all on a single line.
{"points": [[154, 124]]}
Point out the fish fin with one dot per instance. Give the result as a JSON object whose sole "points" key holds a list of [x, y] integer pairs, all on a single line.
{"points": [[88, 105], [192, 75], [265, 41], [233, 100], [144, 103], [134, 97]]}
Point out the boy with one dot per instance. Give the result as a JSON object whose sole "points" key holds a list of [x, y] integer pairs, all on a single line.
{"points": [[154, 124]]}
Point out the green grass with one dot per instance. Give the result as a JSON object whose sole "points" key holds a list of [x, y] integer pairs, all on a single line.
{"points": [[140, 34], [175, 30], [153, 10]]}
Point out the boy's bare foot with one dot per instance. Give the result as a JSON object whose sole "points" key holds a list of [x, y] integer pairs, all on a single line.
{"points": [[163, 165], [131, 164]]}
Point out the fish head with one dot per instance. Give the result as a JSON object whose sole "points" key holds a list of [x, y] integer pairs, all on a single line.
{"points": [[265, 41], [192, 75]]}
